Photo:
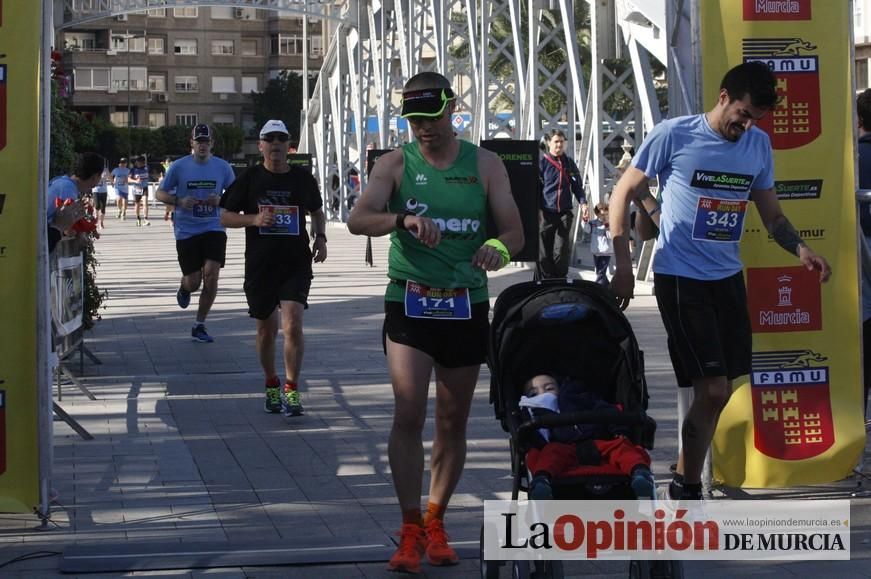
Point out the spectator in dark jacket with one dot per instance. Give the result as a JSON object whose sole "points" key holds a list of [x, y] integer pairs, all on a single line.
{"points": [[560, 180]]}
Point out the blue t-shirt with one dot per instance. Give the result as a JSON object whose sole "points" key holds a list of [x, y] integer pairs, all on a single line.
{"points": [[705, 181], [120, 175], [137, 173], [190, 178], [60, 188]]}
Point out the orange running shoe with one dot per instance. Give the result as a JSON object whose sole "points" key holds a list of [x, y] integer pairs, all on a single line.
{"points": [[406, 559], [438, 552]]}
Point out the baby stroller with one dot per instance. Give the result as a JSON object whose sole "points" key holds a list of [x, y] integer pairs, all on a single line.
{"points": [[568, 328]]}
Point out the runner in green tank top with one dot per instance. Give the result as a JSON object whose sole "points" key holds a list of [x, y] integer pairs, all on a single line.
{"points": [[456, 202], [432, 197]]}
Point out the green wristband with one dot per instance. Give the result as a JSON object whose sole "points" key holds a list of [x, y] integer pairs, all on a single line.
{"points": [[500, 247]]}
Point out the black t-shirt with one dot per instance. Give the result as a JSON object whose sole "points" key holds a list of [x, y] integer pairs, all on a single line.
{"points": [[290, 196]]}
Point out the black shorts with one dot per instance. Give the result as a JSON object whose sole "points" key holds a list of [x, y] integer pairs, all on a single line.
{"points": [[100, 200], [193, 252], [138, 195], [708, 326], [264, 294], [451, 343]]}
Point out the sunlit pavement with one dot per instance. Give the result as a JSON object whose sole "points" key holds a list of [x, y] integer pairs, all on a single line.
{"points": [[183, 452]]}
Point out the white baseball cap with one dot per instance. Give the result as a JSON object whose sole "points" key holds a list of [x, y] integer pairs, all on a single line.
{"points": [[273, 126]]}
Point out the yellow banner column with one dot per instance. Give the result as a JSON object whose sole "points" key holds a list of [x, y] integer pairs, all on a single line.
{"points": [[20, 49], [797, 419]]}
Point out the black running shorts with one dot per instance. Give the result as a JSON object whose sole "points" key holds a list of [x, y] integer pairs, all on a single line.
{"points": [[265, 293], [450, 343], [100, 200], [708, 326], [194, 251]]}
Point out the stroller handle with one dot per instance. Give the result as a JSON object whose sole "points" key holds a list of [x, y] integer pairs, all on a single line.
{"points": [[572, 418]]}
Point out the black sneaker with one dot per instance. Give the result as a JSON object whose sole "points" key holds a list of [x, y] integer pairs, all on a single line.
{"points": [[198, 334], [183, 298]]}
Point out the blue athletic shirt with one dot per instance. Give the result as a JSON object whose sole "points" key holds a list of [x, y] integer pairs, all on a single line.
{"points": [[136, 185], [62, 187], [705, 181], [120, 175], [190, 178]]}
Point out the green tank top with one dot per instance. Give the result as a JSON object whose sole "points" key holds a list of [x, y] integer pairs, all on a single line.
{"points": [[455, 200]]}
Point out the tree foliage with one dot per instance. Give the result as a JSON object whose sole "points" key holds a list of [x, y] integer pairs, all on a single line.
{"points": [[281, 99], [228, 141], [62, 150]]}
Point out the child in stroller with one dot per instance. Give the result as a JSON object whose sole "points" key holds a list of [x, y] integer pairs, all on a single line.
{"points": [[562, 448]]}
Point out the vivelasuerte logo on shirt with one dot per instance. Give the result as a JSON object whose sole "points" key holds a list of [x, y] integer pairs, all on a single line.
{"points": [[721, 180], [203, 184]]}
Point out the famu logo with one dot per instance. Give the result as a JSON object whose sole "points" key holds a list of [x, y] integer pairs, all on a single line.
{"points": [[792, 411], [721, 181], [451, 227], [804, 189], [797, 118]]}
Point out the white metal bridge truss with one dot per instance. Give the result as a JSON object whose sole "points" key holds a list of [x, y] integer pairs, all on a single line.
{"points": [[490, 50]]}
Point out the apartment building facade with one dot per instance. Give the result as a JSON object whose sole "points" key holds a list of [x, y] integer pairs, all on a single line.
{"points": [[182, 66]]}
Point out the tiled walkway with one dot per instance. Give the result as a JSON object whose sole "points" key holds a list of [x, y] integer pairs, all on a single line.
{"points": [[183, 452]]}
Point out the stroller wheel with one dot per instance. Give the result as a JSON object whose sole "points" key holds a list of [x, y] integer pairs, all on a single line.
{"points": [[537, 570], [640, 570], [667, 570], [520, 570], [656, 570], [549, 570], [489, 569]]}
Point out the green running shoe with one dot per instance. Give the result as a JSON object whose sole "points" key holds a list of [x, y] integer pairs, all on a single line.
{"points": [[273, 400], [291, 404]]}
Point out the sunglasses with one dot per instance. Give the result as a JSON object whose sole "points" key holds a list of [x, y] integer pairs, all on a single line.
{"points": [[280, 137], [430, 117], [203, 140]]}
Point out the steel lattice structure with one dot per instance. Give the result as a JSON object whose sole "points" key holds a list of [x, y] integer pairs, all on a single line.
{"points": [[491, 50]]}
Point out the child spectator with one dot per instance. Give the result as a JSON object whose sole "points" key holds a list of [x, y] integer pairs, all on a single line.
{"points": [[567, 447], [601, 244]]}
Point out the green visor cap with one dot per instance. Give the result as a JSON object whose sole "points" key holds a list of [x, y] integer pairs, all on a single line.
{"points": [[430, 102]]}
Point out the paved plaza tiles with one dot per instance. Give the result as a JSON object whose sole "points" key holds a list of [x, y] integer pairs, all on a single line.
{"points": [[184, 460]]}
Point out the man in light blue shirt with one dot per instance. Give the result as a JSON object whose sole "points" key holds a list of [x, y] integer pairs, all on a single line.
{"points": [[709, 167], [194, 185], [120, 177]]}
